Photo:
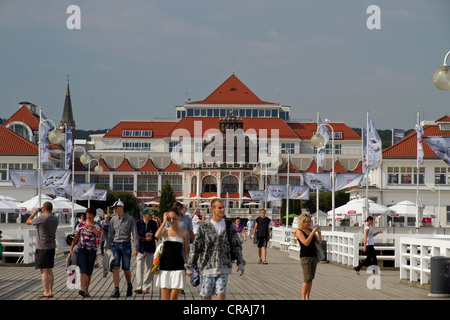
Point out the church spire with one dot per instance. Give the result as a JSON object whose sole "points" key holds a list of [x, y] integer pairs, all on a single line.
{"points": [[67, 116]]}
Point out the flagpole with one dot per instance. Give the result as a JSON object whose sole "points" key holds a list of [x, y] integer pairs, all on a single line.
{"points": [[317, 171], [366, 201], [39, 159], [417, 174]]}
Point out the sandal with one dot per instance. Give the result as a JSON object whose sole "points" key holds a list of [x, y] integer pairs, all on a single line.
{"points": [[259, 261], [264, 262]]}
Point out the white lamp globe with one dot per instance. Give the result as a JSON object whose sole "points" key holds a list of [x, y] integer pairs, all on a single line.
{"points": [[317, 140], [85, 158]]}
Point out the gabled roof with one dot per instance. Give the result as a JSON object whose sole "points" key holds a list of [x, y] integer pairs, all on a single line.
{"points": [[125, 166], [358, 168], [313, 167], [338, 168], [104, 165], [292, 168], [14, 144], [407, 147], [26, 116], [232, 91], [172, 167], [306, 130], [149, 166], [160, 129]]}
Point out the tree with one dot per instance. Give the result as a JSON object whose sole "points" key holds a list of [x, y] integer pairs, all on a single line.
{"points": [[166, 200], [295, 207], [325, 201]]}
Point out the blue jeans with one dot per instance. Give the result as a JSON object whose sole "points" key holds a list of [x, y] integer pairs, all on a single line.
{"points": [[86, 260], [122, 253]]}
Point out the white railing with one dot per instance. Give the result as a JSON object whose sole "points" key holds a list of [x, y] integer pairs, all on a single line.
{"points": [[415, 256], [27, 238], [411, 252]]}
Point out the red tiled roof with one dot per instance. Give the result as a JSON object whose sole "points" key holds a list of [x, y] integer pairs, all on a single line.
{"points": [[445, 118], [149, 166], [78, 165], [12, 143], [232, 91], [338, 168], [160, 129], [292, 168], [306, 130], [197, 126], [125, 166], [313, 167], [358, 168], [26, 116], [172, 167], [104, 165], [407, 147]]}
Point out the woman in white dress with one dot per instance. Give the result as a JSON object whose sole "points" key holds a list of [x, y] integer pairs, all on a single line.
{"points": [[171, 278]]}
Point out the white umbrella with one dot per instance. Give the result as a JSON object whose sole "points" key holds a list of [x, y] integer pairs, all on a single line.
{"points": [[9, 206], [250, 203], [408, 209], [206, 203], [151, 202], [33, 203], [355, 207], [67, 204]]}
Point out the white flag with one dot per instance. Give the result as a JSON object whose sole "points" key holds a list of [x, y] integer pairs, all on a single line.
{"points": [[347, 180], [276, 192], [374, 145], [69, 146], [55, 178], [24, 178], [323, 130], [45, 128], [318, 181], [419, 133], [84, 191], [257, 194], [299, 192], [99, 195], [441, 146]]}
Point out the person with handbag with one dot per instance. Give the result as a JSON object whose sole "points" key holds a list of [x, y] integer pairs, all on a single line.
{"points": [[307, 239]]}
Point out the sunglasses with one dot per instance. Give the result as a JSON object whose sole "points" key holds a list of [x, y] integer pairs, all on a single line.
{"points": [[172, 218]]}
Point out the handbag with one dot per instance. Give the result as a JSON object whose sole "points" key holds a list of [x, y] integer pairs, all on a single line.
{"points": [[195, 279], [157, 258], [319, 250]]}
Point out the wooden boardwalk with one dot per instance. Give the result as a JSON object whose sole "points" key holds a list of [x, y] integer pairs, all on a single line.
{"points": [[281, 279]]}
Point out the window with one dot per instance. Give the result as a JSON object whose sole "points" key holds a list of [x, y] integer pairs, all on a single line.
{"points": [[393, 173], [198, 147], [241, 113], [337, 149], [230, 184], [136, 145], [248, 113], [123, 183], [175, 146], [103, 180], [448, 215], [216, 113], [255, 113], [290, 147], [274, 113], [222, 112], [190, 112], [194, 184], [421, 175], [196, 112], [440, 175], [338, 135], [209, 184], [251, 183], [263, 147], [296, 181], [147, 183], [175, 183], [3, 171], [136, 133]]}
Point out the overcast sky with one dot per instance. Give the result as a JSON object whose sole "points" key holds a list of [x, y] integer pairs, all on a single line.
{"points": [[136, 59]]}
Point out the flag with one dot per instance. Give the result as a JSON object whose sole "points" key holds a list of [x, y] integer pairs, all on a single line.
{"points": [[69, 146], [276, 192], [55, 178], [257, 194], [44, 146], [323, 130], [299, 192], [24, 178], [348, 180], [318, 181], [397, 135], [440, 145], [99, 195], [419, 132], [374, 146], [84, 191]]}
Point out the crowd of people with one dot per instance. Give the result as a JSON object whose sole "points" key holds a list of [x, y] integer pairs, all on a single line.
{"points": [[211, 245]]}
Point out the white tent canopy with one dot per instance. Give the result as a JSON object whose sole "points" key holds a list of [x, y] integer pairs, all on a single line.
{"points": [[33, 203], [66, 203], [9, 206], [355, 207], [408, 209]]}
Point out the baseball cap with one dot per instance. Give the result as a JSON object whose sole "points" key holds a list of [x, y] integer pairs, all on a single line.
{"points": [[146, 211], [118, 203]]}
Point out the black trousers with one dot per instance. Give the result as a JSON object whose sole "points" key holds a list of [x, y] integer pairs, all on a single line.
{"points": [[371, 258]]}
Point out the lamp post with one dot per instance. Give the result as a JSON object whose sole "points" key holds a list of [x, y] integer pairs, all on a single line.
{"points": [[288, 186], [317, 141], [98, 169], [441, 76], [54, 136], [84, 160]]}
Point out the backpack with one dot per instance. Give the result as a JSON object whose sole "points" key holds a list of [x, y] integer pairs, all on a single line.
{"points": [[228, 229]]}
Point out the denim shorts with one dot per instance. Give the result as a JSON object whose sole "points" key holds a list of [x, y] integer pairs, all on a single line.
{"points": [[86, 260], [122, 253], [214, 285]]}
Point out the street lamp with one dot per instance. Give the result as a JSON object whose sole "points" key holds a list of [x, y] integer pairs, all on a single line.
{"points": [[98, 169], [288, 186], [85, 159], [441, 76], [317, 141], [257, 171], [54, 136]]}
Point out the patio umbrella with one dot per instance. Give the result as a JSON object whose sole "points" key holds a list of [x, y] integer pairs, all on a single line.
{"points": [[152, 202], [33, 203], [408, 209], [250, 203], [9, 206], [355, 207], [67, 204]]}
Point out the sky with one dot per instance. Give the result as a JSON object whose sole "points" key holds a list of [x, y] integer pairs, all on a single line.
{"points": [[139, 59]]}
